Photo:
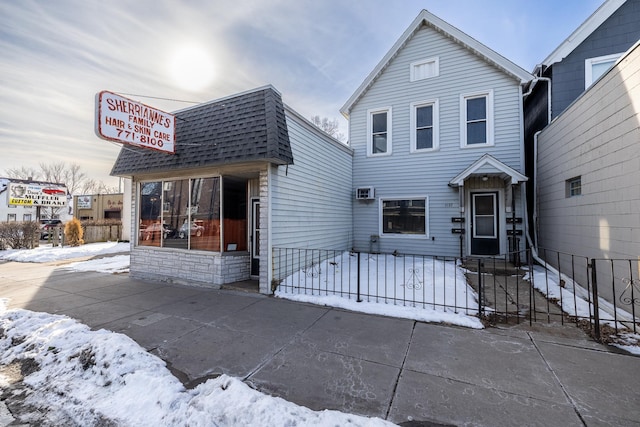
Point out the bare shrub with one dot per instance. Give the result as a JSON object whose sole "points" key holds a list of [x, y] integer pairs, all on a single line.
{"points": [[18, 235], [73, 232]]}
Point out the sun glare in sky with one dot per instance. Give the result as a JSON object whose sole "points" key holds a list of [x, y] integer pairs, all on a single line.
{"points": [[191, 67]]}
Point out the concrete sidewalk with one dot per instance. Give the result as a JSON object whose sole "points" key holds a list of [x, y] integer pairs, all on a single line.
{"points": [[407, 372]]}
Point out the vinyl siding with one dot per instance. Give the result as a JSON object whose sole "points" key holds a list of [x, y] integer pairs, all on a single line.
{"points": [[596, 138], [311, 200], [617, 34], [428, 174]]}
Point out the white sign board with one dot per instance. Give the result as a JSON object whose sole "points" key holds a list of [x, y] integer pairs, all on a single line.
{"points": [[123, 120], [84, 202], [37, 195]]}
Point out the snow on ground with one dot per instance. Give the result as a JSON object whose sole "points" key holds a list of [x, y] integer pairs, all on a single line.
{"points": [[574, 300], [101, 264], [113, 264], [420, 288], [47, 253], [84, 377]]}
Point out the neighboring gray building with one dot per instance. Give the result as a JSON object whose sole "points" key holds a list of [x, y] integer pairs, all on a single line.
{"points": [[588, 169], [573, 66], [437, 134], [249, 174]]}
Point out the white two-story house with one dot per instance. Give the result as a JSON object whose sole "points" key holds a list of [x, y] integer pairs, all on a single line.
{"points": [[437, 134]]}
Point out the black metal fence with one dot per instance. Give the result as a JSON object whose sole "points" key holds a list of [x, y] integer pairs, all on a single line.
{"points": [[516, 287], [603, 292], [399, 279]]}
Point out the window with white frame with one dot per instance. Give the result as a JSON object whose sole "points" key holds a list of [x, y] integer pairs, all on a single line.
{"points": [[379, 132], [573, 187], [594, 68], [476, 112], [404, 216], [424, 126], [424, 69], [11, 217]]}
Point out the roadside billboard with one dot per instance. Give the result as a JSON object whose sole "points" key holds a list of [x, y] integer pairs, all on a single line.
{"points": [[49, 195], [126, 121]]}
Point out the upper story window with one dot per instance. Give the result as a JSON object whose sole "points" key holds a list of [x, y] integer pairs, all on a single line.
{"points": [[424, 126], [594, 68], [379, 132], [424, 69], [476, 112]]}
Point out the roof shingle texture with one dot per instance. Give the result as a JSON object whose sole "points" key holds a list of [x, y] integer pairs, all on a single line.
{"points": [[248, 127]]}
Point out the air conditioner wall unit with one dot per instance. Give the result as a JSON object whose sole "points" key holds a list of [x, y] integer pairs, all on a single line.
{"points": [[364, 193]]}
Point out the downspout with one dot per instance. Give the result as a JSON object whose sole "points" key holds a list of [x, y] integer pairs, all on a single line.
{"points": [[534, 245], [533, 84], [535, 188]]}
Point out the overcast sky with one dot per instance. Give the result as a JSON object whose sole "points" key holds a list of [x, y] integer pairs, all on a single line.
{"points": [[56, 55]]}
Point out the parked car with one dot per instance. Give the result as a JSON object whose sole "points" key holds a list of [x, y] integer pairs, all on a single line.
{"points": [[197, 229], [46, 225], [152, 231]]}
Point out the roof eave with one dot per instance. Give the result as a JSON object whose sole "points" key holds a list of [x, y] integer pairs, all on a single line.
{"points": [[580, 34]]}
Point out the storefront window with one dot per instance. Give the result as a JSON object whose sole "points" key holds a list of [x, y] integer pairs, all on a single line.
{"points": [[204, 230], [175, 212], [150, 223], [180, 214]]}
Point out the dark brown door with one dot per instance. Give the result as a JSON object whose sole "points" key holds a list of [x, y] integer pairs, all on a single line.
{"points": [[485, 235]]}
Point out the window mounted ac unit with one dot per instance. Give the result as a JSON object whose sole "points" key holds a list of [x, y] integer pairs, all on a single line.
{"points": [[364, 193]]}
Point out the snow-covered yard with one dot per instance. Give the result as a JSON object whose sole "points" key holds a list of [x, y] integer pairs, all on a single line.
{"points": [[413, 287]]}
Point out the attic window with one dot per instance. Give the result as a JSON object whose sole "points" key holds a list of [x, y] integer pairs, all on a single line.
{"points": [[424, 69]]}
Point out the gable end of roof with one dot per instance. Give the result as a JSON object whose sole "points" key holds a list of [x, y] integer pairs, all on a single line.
{"points": [[430, 20]]}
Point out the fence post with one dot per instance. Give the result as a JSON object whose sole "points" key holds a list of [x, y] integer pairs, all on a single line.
{"points": [[532, 306], [480, 290], [596, 308], [358, 279]]}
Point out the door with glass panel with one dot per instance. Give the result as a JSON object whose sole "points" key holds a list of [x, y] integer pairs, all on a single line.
{"points": [[485, 236]]}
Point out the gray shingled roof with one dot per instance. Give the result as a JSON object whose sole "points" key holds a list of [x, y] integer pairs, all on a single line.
{"points": [[243, 128]]}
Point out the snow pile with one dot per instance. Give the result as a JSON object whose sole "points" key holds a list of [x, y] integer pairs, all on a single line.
{"points": [[412, 287], [85, 377], [46, 253], [629, 342], [114, 264]]}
